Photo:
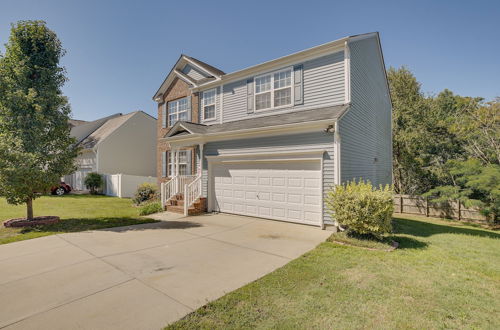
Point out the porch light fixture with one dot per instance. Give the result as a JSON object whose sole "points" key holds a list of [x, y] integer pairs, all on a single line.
{"points": [[330, 129]]}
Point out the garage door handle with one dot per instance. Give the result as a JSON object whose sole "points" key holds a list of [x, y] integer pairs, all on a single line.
{"points": [[257, 196]]}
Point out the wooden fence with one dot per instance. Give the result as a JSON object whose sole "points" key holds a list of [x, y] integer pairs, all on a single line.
{"points": [[422, 206]]}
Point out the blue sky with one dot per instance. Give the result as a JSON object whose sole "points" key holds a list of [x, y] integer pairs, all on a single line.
{"points": [[118, 52]]}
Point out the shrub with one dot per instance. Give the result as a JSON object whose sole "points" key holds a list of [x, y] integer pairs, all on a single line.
{"points": [[149, 208], [93, 181], [362, 209], [145, 192]]}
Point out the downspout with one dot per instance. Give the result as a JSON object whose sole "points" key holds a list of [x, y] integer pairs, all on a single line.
{"points": [[96, 152], [338, 179], [338, 172], [347, 73]]}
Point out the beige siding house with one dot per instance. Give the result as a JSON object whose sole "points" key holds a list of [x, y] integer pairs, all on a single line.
{"points": [[118, 144]]}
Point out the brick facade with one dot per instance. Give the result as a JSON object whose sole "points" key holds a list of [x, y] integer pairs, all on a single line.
{"points": [[178, 89]]}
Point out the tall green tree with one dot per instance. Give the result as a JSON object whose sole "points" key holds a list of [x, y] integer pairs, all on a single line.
{"points": [[479, 128], [473, 177], [444, 143], [410, 141], [35, 144]]}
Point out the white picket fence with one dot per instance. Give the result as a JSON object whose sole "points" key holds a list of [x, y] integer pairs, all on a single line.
{"points": [[124, 185]]}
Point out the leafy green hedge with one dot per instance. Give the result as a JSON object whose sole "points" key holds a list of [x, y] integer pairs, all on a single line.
{"points": [[146, 192], [362, 209], [149, 208]]}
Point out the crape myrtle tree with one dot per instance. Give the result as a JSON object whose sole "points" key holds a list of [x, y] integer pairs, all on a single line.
{"points": [[36, 148]]}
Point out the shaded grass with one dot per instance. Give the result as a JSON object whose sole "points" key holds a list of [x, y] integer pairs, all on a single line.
{"points": [[77, 213], [368, 243], [444, 275]]}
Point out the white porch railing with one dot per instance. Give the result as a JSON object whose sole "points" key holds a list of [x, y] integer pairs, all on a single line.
{"points": [[192, 192], [184, 180], [168, 190], [188, 185]]}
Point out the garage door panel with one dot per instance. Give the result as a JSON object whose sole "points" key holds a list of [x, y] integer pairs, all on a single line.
{"points": [[288, 191], [278, 196], [294, 198], [238, 179], [312, 182]]}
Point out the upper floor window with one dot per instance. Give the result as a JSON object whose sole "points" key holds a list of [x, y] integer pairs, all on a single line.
{"points": [[273, 90], [177, 110], [209, 104]]}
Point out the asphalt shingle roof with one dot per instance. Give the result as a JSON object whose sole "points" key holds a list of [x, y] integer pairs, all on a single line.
{"points": [[304, 116]]}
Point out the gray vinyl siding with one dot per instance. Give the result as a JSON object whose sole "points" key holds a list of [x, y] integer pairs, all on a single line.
{"points": [[193, 72], [366, 142], [217, 108], [323, 86], [303, 142]]}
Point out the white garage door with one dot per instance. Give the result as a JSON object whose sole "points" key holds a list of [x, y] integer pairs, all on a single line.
{"points": [[289, 191]]}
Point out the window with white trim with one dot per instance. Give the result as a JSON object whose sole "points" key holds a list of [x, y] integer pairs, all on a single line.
{"points": [[273, 90], [209, 104], [177, 110], [183, 163]]}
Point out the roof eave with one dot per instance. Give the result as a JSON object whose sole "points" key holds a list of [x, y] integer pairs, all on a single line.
{"points": [[176, 72], [273, 128]]}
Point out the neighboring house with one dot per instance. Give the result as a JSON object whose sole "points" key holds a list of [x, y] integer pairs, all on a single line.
{"points": [[270, 140], [119, 143]]}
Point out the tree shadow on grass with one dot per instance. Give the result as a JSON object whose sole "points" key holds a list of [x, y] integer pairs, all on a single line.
{"points": [[426, 229], [116, 224]]}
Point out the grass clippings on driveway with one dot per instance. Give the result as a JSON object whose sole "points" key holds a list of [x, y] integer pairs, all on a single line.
{"points": [[443, 275], [77, 213]]}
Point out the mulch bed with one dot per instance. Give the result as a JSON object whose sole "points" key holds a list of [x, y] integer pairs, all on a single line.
{"points": [[23, 222]]}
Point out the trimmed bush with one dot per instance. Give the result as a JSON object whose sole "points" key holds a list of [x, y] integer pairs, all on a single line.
{"points": [[362, 209], [93, 181], [145, 192], [149, 208]]}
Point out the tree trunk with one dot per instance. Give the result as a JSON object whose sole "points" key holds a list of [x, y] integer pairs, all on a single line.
{"points": [[29, 209]]}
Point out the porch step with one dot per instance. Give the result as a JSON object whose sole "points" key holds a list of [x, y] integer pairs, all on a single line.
{"points": [[176, 204]]}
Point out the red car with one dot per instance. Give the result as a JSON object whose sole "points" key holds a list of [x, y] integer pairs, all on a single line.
{"points": [[60, 189]]}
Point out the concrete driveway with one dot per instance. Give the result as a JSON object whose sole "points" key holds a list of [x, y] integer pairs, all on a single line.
{"points": [[140, 277]]}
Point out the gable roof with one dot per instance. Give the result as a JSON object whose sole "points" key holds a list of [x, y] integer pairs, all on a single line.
{"points": [[80, 132], [176, 72], [105, 130], [102, 128], [206, 66], [76, 122], [269, 65], [297, 117]]}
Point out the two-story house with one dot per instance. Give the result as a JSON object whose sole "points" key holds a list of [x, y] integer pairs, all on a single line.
{"points": [[270, 140]]}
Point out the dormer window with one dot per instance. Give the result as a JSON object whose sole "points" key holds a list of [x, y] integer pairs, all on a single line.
{"points": [[178, 110], [273, 90], [209, 104]]}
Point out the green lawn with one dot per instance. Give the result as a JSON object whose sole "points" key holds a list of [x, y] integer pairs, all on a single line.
{"points": [[77, 213], [443, 275]]}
